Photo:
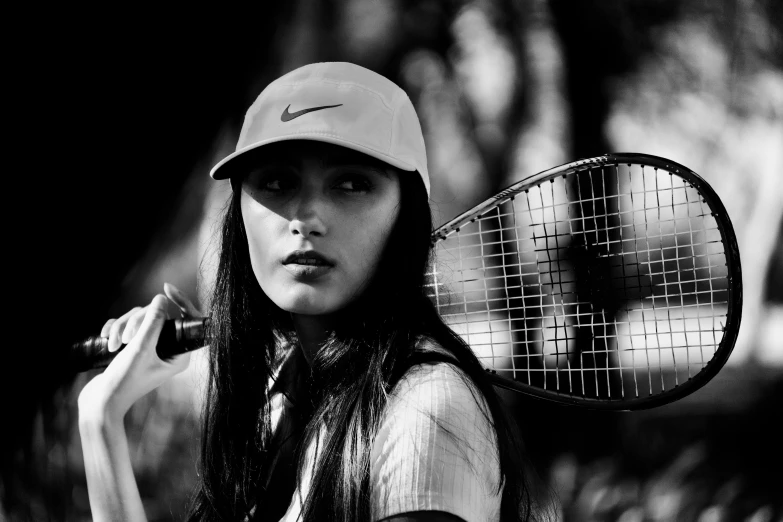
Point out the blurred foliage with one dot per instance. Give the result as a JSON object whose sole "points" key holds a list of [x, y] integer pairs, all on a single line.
{"points": [[504, 88]]}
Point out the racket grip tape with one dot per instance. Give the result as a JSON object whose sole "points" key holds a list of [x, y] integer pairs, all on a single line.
{"points": [[176, 337]]}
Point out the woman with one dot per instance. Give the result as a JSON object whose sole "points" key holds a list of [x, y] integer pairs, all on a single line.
{"points": [[335, 392]]}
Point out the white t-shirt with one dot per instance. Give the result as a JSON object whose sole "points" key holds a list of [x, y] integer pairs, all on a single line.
{"points": [[435, 450]]}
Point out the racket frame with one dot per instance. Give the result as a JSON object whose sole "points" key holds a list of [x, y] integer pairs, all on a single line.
{"points": [[733, 265]]}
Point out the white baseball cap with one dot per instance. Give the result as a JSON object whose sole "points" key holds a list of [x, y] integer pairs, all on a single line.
{"points": [[339, 103]]}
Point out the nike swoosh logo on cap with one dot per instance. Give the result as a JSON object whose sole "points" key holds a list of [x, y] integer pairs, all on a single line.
{"points": [[288, 116]]}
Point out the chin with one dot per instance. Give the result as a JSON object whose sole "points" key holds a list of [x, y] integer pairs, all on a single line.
{"points": [[304, 304]]}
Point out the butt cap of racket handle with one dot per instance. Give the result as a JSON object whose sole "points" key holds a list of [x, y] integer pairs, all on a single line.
{"points": [[180, 336]]}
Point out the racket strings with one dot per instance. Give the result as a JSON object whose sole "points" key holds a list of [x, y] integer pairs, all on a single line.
{"points": [[608, 283]]}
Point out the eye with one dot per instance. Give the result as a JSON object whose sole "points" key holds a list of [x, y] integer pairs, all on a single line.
{"points": [[273, 185], [271, 180], [354, 183]]}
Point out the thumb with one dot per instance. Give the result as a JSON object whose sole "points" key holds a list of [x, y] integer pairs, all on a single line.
{"points": [[185, 305]]}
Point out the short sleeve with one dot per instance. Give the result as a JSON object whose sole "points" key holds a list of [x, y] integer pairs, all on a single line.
{"points": [[435, 449]]}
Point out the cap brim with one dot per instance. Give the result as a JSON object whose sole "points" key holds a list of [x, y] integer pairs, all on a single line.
{"points": [[220, 171]]}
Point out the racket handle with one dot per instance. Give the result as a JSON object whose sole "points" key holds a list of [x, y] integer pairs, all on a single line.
{"points": [[177, 336]]}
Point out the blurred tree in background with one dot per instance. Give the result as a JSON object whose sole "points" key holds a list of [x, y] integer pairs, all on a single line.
{"points": [[124, 112]]}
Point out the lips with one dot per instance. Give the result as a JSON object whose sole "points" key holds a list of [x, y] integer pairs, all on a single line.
{"points": [[307, 266], [307, 258]]}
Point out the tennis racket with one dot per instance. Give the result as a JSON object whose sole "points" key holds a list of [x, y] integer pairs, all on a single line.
{"points": [[611, 282]]}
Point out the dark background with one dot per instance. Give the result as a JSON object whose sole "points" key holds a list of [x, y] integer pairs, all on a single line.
{"points": [[117, 116]]}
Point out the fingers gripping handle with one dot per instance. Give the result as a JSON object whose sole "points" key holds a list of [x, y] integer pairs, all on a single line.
{"points": [[177, 336]]}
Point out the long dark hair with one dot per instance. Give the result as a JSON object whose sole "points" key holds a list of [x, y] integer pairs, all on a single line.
{"points": [[373, 342]]}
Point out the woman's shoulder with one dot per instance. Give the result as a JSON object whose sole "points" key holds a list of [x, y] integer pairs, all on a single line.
{"points": [[436, 383], [436, 447]]}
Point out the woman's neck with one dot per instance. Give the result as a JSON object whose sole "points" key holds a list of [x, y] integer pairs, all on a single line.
{"points": [[312, 331]]}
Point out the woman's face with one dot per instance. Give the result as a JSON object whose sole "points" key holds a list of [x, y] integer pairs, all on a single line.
{"points": [[317, 218]]}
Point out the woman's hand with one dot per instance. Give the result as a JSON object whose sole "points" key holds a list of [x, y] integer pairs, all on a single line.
{"points": [[137, 369]]}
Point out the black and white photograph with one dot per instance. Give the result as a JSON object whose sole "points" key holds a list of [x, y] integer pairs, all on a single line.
{"points": [[394, 261]]}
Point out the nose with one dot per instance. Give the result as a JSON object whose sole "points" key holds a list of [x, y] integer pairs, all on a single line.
{"points": [[308, 217]]}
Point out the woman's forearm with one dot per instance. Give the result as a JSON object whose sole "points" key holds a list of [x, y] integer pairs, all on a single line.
{"points": [[114, 495]]}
